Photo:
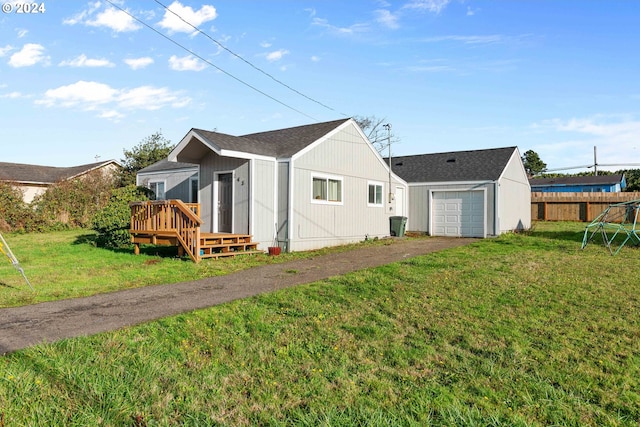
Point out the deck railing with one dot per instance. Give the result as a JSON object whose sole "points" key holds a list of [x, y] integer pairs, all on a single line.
{"points": [[172, 218]]}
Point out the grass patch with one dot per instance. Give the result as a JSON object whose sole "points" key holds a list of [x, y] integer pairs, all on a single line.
{"points": [[521, 330], [68, 264]]}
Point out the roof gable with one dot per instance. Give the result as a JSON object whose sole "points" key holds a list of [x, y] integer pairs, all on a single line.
{"points": [[455, 166], [20, 172], [276, 143]]}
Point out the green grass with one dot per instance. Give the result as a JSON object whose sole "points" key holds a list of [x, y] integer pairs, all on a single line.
{"points": [[67, 264], [522, 330]]}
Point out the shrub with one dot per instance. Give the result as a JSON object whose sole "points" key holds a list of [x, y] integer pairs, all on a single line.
{"points": [[112, 222], [15, 214], [73, 203]]}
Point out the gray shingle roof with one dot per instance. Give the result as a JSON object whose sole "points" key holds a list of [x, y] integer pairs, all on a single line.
{"points": [[275, 143], [578, 180], [19, 172], [166, 165], [475, 165]]}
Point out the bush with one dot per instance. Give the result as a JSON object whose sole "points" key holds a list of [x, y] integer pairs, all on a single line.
{"points": [[15, 214], [73, 203], [113, 221]]}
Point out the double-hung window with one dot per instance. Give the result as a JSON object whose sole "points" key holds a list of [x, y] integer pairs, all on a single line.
{"points": [[327, 189], [375, 194], [158, 189]]}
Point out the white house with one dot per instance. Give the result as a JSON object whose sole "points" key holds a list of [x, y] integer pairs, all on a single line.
{"points": [[307, 187]]}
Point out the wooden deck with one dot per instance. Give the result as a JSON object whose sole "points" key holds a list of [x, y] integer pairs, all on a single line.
{"points": [[175, 223]]}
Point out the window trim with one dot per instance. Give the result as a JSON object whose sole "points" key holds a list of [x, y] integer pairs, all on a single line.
{"points": [[192, 179], [375, 184], [328, 178], [164, 188]]}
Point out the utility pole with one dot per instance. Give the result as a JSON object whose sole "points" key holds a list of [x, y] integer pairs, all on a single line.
{"points": [[388, 128], [595, 161]]}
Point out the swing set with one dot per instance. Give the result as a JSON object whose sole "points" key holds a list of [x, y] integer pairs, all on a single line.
{"points": [[6, 251], [617, 225]]}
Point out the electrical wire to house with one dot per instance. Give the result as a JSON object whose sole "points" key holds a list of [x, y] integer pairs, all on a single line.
{"points": [[208, 62]]}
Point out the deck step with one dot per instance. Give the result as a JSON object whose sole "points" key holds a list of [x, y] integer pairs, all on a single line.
{"points": [[230, 254]]}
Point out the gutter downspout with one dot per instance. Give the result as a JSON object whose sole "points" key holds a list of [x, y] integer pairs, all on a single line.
{"points": [[496, 207]]}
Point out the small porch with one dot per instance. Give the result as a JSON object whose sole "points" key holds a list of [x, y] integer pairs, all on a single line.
{"points": [[175, 223]]}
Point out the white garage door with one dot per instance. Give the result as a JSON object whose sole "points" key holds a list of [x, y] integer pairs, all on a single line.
{"points": [[458, 213]]}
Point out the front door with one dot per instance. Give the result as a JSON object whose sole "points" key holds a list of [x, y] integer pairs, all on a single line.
{"points": [[225, 202]]}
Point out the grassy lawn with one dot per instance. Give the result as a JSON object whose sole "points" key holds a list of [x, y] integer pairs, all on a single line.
{"points": [[522, 330]]}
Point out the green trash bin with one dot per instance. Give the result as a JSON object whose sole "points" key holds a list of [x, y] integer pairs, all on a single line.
{"points": [[397, 225]]}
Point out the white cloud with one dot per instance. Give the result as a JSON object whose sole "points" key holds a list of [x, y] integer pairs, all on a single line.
{"points": [[108, 101], [265, 45], [387, 19], [148, 98], [5, 50], [139, 63], [315, 58], [473, 40], [186, 63], [276, 55], [616, 139], [433, 6], [341, 31], [12, 95], [30, 54], [89, 95], [174, 24], [83, 61], [115, 19], [22, 32]]}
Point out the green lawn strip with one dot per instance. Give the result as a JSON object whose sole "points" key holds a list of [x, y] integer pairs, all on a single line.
{"points": [[524, 330], [67, 264]]}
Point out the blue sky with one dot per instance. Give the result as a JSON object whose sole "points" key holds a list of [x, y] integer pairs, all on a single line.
{"points": [[83, 79]]}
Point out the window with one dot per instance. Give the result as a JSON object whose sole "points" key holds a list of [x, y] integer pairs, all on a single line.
{"points": [[327, 189], [375, 194], [193, 189], [158, 189]]}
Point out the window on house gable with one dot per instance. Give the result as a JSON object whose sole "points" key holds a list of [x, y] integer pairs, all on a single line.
{"points": [[327, 189], [158, 189], [375, 194]]}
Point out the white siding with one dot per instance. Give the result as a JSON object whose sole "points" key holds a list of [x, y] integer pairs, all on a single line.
{"points": [[514, 197], [177, 182], [209, 166], [348, 156], [263, 216]]}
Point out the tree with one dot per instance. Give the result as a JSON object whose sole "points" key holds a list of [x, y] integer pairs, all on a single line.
{"points": [[373, 127], [532, 163], [149, 151]]}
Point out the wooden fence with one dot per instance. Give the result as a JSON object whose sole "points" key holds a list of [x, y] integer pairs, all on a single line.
{"points": [[574, 206]]}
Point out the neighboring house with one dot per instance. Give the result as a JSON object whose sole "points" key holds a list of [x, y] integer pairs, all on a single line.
{"points": [[34, 180], [306, 187], [475, 193], [171, 180], [579, 184]]}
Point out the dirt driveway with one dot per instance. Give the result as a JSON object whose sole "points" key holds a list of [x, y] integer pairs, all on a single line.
{"points": [[21, 327]]}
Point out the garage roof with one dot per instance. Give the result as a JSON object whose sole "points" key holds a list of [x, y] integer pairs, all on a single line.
{"points": [[474, 165]]}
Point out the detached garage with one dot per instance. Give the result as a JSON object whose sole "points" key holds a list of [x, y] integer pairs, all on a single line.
{"points": [[476, 193]]}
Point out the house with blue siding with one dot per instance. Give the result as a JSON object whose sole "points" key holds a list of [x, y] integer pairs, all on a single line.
{"points": [[579, 184]]}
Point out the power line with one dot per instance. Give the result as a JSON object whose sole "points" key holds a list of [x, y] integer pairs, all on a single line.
{"points": [[210, 63], [244, 60]]}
